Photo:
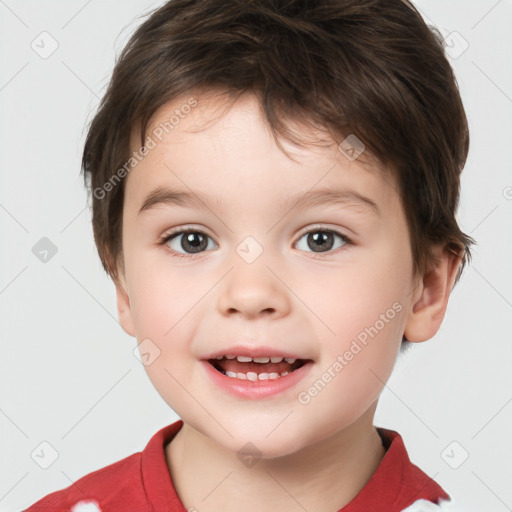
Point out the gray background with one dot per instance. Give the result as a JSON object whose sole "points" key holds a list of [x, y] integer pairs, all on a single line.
{"points": [[68, 375]]}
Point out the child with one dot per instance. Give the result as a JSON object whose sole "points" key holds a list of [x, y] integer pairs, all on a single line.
{"points": [[254, 130]]}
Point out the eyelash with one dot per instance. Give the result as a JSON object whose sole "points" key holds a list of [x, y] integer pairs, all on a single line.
{"points": [[169, 236]]}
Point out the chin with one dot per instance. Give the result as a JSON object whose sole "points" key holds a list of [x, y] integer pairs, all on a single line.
{"points": [[268, 440], [263, 449]]}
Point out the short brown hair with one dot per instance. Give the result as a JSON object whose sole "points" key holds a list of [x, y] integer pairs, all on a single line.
{"points": [[371, 68]]}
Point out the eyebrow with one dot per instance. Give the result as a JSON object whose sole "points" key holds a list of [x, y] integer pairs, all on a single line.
{"points": [[162, 196]]}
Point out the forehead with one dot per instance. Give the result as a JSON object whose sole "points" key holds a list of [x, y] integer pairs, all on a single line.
{"points": [[221, 151]]}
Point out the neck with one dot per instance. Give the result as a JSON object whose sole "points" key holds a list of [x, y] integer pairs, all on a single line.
{"points": [[323, 477]]}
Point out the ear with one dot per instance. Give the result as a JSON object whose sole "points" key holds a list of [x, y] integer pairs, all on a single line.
{"points": [[431, 296], [123, 307]]}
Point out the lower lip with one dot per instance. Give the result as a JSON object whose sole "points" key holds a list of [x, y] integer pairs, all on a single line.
{"points": [[259, 388]]}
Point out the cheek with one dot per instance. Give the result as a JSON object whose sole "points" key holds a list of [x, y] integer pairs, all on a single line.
{"points": [[155, 300], [364, 308], [153, 307], [369, 290], [167, 303], [358, 359]]}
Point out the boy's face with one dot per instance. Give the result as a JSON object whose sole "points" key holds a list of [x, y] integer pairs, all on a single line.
{"points": [[264, 275]]}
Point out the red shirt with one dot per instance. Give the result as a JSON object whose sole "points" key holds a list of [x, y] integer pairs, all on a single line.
{"points": [[142, 483]]}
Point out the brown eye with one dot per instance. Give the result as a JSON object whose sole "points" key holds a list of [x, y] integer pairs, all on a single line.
{"points": [[188, 242], [323, 240]]}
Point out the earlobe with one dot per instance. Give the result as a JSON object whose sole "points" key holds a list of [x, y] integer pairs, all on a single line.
{"points": [[428, 310], [124, 309]]}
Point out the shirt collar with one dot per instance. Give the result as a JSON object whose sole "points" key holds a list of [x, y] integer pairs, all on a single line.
{"points": [[395, 485]]}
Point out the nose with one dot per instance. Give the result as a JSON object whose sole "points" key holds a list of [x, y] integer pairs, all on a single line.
{"points": [[254, 290]]}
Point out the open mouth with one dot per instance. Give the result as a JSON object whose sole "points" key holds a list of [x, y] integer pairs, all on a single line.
{"points": [[257, 368]]}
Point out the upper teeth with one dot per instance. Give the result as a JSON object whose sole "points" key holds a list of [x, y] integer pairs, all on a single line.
{"points": [[263, 359]]}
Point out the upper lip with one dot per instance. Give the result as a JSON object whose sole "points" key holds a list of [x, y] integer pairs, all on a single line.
{"points": [[248, 351]]}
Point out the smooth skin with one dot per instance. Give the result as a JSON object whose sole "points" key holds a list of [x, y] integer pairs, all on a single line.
{"points": [[306, 299]]}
